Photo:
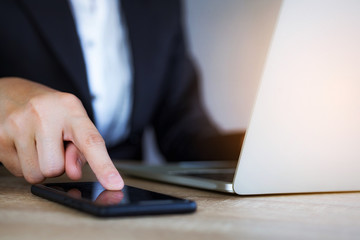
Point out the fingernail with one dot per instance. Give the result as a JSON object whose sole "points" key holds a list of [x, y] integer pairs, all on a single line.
{"points": [[115, 182]]}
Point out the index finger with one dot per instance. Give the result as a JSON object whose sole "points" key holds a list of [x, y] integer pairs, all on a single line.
{"points": [[89, 141]]}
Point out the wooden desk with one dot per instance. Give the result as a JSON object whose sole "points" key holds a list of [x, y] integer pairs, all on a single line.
{"points": [[219, 216]]}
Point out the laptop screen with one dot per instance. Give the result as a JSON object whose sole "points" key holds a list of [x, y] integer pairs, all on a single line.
{"points": [[305, 128]]}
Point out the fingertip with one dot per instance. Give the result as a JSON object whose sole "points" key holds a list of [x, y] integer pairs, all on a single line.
{"points": [[112, 181]]}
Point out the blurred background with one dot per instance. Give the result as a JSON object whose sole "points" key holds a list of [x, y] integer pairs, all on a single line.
{"points": [[228, 40]]}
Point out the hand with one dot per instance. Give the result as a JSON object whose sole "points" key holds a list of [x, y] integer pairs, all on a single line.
{"points": [[35, 121]]}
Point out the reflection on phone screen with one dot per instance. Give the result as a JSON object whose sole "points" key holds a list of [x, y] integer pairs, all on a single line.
{"points": [[94, 192]]}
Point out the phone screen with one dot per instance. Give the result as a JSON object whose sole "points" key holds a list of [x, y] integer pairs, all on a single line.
{"points": [[92, 198]]}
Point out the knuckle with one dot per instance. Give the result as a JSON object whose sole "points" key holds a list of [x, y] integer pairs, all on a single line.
{"points": [[70, 101], [14, 123], [32, 111], [36, 109], [34, 178], [68, 97], [39, 106], [53, 171], [35, 105], [71, 106], [93, 140]]}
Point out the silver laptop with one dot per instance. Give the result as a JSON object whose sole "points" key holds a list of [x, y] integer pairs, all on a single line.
{"points": [[304, 133]]}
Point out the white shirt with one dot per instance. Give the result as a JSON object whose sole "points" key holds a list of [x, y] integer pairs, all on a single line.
{"points": [[106, 53]]}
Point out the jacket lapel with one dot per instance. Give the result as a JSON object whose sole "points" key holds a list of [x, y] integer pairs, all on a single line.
{"points": [[56, 25]]}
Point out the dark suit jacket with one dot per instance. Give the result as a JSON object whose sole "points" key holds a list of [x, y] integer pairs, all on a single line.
{"points": [[39, 42]]}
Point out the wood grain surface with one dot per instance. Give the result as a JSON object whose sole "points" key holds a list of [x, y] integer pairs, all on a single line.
{"points": [[219, 216]]}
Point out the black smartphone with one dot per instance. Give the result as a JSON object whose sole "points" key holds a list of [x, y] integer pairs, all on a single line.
{"points": [[92, 198]]}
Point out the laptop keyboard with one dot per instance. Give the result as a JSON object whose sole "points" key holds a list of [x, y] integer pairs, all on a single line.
{"points": [[224, 175]]}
